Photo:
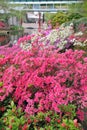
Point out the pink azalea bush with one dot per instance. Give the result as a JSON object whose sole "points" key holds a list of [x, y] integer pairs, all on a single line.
{"points": [[42, 79], [9, 51]]}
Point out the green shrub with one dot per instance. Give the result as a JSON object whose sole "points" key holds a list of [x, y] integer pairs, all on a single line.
{"points": [[54, 121], [59, 18], [13, 118], [48, 16], [16, 28], [73, 16]]}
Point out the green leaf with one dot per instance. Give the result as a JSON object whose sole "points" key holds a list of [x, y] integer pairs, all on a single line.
{"points": [[22, 120], [12, 104], [1, 84]]}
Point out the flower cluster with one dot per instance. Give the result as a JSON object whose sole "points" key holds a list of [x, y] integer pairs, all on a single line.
{"points": [[62, 38], [42, 79], [39, 79], [57, 37]]}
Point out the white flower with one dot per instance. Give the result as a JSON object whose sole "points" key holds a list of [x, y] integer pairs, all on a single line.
{"points": [[79, 34]]}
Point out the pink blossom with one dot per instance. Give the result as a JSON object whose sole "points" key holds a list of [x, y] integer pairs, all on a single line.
{"points": [[48, 119], [80, 114]]}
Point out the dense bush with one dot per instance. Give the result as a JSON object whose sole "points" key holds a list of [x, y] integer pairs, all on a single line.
{"points": [[73, 16], [42, 79], [59, 18], [39, 84]]}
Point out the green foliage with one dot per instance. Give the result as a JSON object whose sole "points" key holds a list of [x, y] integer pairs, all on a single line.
{"points": [[68, 125], [59, 18], [79, 7], [48, 16], [68, 111], [19, 14], [16, 28], [1, 84], [4, 17], [4, 5], [72, 16], [13, 118], [75, 8], [83, 8], [54, 121]]}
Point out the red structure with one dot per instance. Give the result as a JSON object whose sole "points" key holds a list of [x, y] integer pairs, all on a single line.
{"points": [[2, 24]]}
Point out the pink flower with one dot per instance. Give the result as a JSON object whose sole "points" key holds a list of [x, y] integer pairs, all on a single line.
{"points": [[48, 119], [80, 114]]}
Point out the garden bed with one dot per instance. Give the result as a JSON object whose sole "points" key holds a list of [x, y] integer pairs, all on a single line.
{"points": [[43, 82]]}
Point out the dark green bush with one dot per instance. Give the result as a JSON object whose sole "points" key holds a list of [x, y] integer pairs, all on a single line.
{"points": [[73, 16]]}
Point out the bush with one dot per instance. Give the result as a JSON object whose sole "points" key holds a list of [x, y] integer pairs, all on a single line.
{"points": [[79, 24], [42, 84], [48, 16], [73, 16], [42, 79], [16, 28], [59, 18], [13, 118]]}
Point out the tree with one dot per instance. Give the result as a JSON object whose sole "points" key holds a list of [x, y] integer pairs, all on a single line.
{"points": [[84, 7], [4, 5], [10, 10], [80, 8]]}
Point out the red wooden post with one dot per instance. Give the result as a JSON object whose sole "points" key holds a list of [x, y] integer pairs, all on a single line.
{"points": [[39, 22]]}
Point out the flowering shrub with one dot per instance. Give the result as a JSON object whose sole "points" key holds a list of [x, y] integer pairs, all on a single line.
{"points": [[57, 37], [81, 41], [39, 79], [9, 51], [62, 38], [42, 79]]}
